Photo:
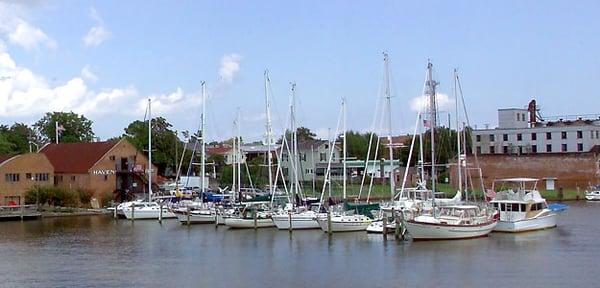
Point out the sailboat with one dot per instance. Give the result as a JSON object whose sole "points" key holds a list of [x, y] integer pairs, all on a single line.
{"points": [[255, 215], [202, 213], [451, 221], [150, 209], [343, 221]]}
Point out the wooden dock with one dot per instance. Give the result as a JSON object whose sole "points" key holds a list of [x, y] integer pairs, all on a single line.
{"points": [[19, 212]]}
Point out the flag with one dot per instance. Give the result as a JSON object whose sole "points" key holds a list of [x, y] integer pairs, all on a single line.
{"points": [[426, 123], [490, 194], [60, 129]]}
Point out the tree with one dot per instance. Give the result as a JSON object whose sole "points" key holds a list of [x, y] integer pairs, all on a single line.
{"points": [[16, 138], [304, 133], [76, 128], [358, 145], [164, 142]]}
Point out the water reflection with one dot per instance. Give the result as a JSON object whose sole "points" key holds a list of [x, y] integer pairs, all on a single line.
{"points": [[84, 251]]}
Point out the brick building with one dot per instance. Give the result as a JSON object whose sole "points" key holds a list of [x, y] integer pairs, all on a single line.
{"points": [[566, 170], [101, 167], [20, 173]]}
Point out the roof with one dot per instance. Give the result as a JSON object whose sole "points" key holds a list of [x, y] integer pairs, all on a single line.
{"points": [[218, 150], [76, 157], [4, 158]]}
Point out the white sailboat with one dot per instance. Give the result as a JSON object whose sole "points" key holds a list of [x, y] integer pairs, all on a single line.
{"points": [[203, 213], [257, 218], [150, 209], [343, 222], [593, 193], [521, 206], [453, 221]]}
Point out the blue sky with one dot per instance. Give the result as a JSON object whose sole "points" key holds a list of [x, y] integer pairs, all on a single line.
{"points": [[103, 58]]}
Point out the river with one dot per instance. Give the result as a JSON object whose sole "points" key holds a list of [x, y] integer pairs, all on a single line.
{"points": [[97, 251]]}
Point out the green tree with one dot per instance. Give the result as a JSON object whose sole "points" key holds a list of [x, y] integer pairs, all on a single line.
{"points": [[305, 133], [164, 141], [358, 145], [77, 127]]}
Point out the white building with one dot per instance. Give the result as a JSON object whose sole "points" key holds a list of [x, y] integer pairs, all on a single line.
{"points": [[519, 132]]}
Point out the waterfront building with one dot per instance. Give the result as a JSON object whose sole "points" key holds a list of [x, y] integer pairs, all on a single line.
{"points": [[115, 167], [20, 173], [313, 156]]}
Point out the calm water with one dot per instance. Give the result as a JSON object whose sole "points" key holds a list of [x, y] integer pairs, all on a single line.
{"points": [[99, 251]]}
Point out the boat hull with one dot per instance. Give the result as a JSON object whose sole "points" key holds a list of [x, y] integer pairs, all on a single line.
{"points": [[243, 223], [592, 196], [195, 218], [434, 231], [298, 221], [343, 226], [542, 222], [144, 214], [377, 227]]}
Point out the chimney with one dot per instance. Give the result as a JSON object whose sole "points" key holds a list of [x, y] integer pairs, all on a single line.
{"points": [[532, 110]]}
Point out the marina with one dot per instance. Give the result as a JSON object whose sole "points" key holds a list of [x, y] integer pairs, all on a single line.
{"points": [[68, 251]]}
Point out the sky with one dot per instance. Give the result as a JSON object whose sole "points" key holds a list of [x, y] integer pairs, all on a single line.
{"points": [[104, 59]]}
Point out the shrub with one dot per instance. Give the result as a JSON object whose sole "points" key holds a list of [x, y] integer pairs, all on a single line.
{"points": [[53, 196], [85, 196]]}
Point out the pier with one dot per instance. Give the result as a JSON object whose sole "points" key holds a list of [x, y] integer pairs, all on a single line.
{"points": [[19, 212]]}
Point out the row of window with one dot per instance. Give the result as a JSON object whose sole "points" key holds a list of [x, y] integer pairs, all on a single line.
{"points": [[534, 149], [563, 135], [516, 207], [16, 177]]}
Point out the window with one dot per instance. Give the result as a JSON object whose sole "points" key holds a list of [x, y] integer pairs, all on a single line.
{"points": [[322, 157], [549, 148], [515, 207], [533, 148], [505, 149], [518, 117], [112, 158], [564, 148], [28, 176], [523, 117], [579, 134], [504, 137], [548, 135], [523, 208], [502, 207], [596, 134], [41, 177], [592, 134], [519, 137], [492, 150], [478, 138], [73, 178], [563, 135], [105, 177], [11, 177], [579, 147], [491, 137], [533, 136], [520, 150], [478, 150]]}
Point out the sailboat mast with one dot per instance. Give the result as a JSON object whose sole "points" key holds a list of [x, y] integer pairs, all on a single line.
{"points": [[294, 144], [344, 146], [431, 92], [269, 131], [238, 152], [458, 136], [388, 97], [234, 162], [149, 150], [203, 143]]}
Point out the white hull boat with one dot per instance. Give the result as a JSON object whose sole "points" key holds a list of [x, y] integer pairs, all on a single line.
{"points": [[302, 220], [542, 222], [147, 210], [377, 227], [345, 223], [438, 231], [592, 195], [245, 223], [198, 216]]}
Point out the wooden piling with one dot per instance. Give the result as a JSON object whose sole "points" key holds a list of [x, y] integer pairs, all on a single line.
{"points": [[188, 215], [384, 221], [115, 211], [254, 216], [22, 212], [132, 212], [160, 216], [290, 220], [329, 232]]}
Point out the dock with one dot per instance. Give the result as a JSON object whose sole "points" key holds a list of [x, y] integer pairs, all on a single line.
{"points": [[19, 212]]}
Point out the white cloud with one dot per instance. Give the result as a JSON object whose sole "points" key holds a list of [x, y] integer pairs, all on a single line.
{"points": [[420, 104], [18, 31], [230, 65], [87, 74], [98, 33]]}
